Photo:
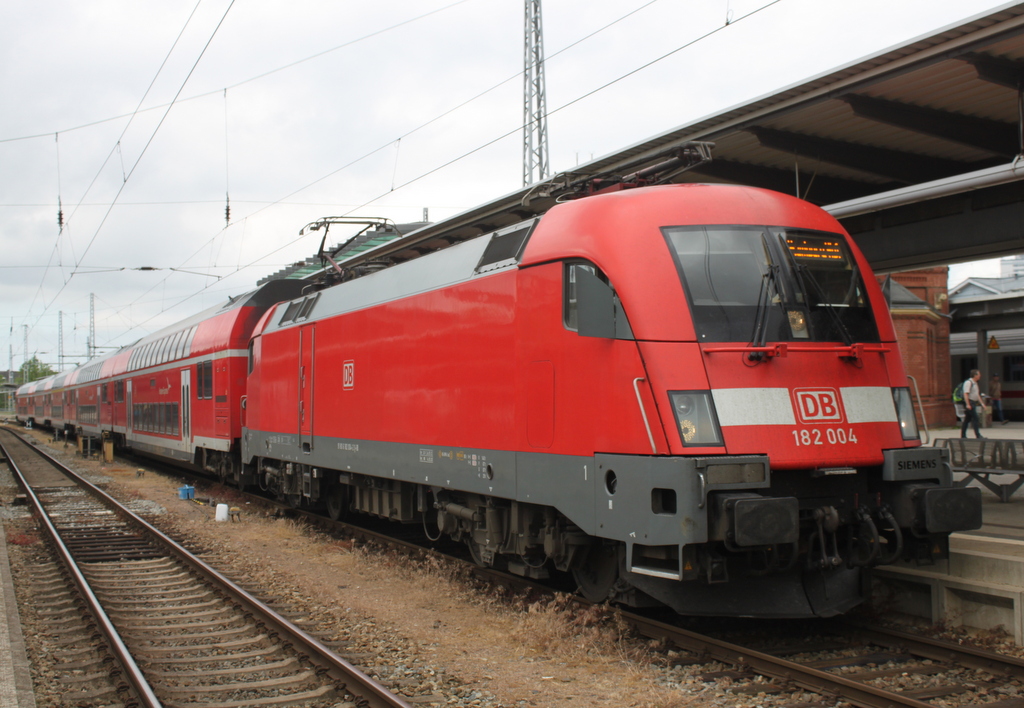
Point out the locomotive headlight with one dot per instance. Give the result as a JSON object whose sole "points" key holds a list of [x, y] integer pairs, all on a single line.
{"points": [[798, 323], [695, 418], [905, 413]]}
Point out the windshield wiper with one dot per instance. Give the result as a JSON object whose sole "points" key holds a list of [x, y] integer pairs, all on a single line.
{"points": [[803, 270], [760, 334]]}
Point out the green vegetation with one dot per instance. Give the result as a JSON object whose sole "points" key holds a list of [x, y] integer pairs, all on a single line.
{"points": [[34, 369]]}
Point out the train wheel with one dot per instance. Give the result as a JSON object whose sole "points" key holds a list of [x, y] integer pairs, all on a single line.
{"points": [[477, 553], [336, 503], [598, 574], [224, 473]]}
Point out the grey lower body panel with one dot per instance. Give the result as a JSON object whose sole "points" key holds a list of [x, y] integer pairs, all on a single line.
{"points": [[794, 594], [160, 451], [652, 501]]}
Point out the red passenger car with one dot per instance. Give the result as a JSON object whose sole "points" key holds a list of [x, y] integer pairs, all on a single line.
{"points": [[174, 394]]}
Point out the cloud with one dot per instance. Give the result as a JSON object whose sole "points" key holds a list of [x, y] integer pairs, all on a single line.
{"points": [[321, 136]]}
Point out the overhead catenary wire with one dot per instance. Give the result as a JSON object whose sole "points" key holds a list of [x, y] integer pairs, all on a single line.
{"points": [[398, 140], [117, 146], [264, 75], [60, 209], [466, 154], [144, 148], [227, 171], [78, 261]]}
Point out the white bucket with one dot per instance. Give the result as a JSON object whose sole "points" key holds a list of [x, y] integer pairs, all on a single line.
{"points": [[222, 513]]}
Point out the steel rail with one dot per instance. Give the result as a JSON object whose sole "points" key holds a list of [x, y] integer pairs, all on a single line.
{"points": [[132, 671], [939, 650], [373, 694], [790, 672], [808, 678]]}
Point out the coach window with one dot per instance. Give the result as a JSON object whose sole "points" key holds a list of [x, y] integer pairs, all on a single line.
{"points": [[179, 344], [591, 306], [208, 378], [119, 392], [204, 379], [188, 341], [103, 393]]}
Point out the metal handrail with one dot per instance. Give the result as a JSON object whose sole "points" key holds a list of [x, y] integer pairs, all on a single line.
{"points": [[924, 420], [643, 412]]}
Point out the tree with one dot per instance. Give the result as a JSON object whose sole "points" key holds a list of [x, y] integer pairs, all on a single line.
{"points": [[34, 369]]}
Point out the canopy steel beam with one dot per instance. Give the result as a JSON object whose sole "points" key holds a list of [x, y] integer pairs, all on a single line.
{"points": [[817, 189], [992, 136], [997, 70], [905, 167]]}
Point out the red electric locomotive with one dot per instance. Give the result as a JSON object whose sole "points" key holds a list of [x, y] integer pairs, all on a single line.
{"points": [[686, 394]]}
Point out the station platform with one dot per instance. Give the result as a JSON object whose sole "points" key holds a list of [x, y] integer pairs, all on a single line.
{"points": [[981, 585], [15, 674]]}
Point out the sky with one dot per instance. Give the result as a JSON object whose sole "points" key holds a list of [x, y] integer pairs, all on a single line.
{"points": [[139, 121]]}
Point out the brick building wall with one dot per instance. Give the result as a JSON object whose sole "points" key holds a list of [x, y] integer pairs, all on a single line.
{"points": [[922, 329]]}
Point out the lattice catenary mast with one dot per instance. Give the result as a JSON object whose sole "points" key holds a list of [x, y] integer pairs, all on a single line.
{"points": [[535, 122]]}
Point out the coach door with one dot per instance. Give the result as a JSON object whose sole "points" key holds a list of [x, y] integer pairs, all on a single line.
{"points": [[306, 387], [129, 411], [186, 407]]}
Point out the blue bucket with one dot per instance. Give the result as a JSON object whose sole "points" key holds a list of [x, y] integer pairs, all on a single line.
{"points": [[186, 492]]}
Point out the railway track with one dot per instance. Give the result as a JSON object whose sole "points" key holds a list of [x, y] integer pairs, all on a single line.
{"points": [[865, 665], [153, 625], [869, 666], [873, 667]]}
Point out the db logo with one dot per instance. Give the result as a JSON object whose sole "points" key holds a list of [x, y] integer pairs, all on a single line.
{"points": [[816, 405], [348, 374]]}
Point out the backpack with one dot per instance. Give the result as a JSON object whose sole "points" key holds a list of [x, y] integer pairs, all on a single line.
{"points": [[958, 393]]}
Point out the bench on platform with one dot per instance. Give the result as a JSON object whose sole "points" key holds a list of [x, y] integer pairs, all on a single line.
{"points": [[980, 459]]}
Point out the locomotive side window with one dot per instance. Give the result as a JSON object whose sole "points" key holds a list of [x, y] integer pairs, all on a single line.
{"points": [[760, 284], [290, 311], [590, 305], [570, 314]]}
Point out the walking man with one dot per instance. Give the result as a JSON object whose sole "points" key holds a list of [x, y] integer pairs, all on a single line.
{"points": [[972, 404]]}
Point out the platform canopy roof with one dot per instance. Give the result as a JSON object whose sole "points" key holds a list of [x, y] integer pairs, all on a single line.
{"points": [[937, 107], [893, 139]]}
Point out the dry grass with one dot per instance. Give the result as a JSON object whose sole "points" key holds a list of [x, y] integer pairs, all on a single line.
{"points": [[561, 626], [549, 626], [514, 644]]}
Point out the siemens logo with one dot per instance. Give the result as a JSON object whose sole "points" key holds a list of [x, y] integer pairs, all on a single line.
{"points": [[917, 464]]}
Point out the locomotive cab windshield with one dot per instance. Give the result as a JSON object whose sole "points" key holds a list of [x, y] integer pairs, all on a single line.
{"points": [[762, 284]]}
